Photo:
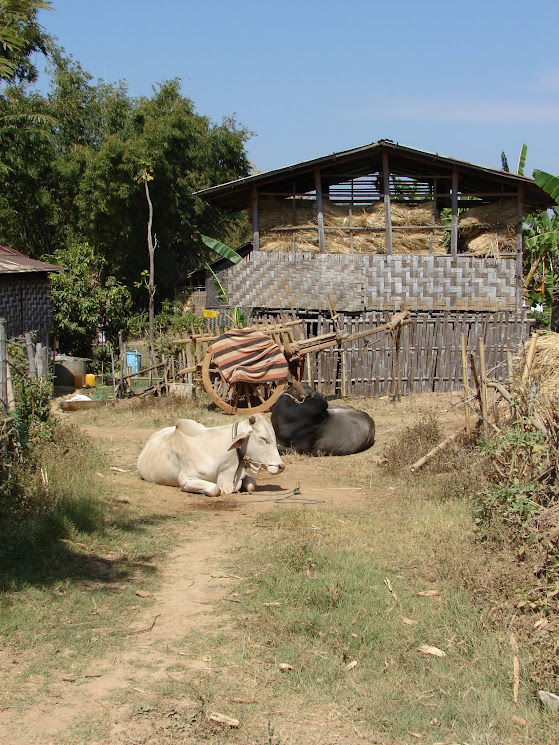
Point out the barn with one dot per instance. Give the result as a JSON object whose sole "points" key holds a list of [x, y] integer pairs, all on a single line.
{"points": [[376, 229], [25, 294]]}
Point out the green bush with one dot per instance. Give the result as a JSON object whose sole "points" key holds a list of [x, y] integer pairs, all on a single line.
{"points": [[48, 496]]}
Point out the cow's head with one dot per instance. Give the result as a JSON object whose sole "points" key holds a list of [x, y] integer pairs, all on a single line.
{"points": [[256, 440]]}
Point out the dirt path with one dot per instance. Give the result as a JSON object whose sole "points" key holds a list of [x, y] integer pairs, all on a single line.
{"points": [[193, 579]]}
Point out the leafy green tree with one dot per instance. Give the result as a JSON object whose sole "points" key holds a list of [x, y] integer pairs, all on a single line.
{"points": [[28, 210], [187, 153], [83, 304], [77, 185], [20, 37]]}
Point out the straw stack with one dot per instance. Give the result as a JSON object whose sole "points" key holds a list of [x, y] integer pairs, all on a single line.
{"points": [[479, 233], [285, 213], [545, 367]]}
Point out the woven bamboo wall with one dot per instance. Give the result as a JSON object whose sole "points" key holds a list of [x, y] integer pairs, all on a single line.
{"points": [[447, 296], [378, 282], [25, 304]]}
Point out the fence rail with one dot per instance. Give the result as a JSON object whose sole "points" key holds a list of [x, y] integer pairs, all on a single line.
{"points": [[430, 357]]}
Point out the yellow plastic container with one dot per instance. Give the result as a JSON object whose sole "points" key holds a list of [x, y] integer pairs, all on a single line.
{"points": [[210, 313], [89, 380]]}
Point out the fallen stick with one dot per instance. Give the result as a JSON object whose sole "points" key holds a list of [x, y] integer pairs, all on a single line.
{"points": [[441, 446], [145, 630]]}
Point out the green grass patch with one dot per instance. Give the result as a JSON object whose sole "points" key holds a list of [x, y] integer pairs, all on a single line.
{"points": [[72, 560], [324, 593]]}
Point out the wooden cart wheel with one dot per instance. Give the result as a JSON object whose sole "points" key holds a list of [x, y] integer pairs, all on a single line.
{"points": [[239, 398]]}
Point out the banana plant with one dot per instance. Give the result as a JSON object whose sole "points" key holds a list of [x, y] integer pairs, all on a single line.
{"points": [[541, 248], [236, 315]]}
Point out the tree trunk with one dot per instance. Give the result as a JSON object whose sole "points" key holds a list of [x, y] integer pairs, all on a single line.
{"points": [[152, 244]]}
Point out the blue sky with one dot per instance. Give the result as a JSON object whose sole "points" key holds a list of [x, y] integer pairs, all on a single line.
{"points": [[465, 80]]}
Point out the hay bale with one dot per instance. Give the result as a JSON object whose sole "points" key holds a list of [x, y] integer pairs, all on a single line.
{"points": [[478, 233], [275, 212], [477, 220], [491, 243]]}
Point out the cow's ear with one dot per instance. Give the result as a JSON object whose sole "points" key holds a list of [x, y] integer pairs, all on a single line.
{"points": [[241, 431]]}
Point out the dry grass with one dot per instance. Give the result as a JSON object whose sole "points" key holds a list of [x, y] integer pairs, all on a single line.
{"points": [[545, 367]]}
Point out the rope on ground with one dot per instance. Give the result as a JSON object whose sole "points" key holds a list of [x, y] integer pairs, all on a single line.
{"points": [[291, 497]]}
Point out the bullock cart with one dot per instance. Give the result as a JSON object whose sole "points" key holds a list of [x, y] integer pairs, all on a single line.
{"points": [[251, 394]]}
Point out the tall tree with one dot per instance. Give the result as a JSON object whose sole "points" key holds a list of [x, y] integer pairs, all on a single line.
{"points": [[187, 152], [78, 185], [145, 176]]}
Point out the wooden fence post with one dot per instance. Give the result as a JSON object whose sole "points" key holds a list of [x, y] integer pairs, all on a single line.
{"points": [[466, 380], [122, 357], [483, 389], [3, 366], [30, 348], [41, 360]]}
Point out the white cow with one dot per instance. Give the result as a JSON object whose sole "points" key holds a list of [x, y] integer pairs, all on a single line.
{"points": [[210, 460]]}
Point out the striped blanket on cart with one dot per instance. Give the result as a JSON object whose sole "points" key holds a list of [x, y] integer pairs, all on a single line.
{"points": [[248, 356]]}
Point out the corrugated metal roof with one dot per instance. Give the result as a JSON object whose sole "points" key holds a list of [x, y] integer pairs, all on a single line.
{"points": [[14, 262], [361, 161]]}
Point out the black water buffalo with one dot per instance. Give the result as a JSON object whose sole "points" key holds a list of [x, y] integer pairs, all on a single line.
{"points": [[304, 421]]}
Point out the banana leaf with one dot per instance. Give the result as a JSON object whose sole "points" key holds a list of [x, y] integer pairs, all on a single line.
{"points": [[548, 183], [522, 160], [222, 249]]}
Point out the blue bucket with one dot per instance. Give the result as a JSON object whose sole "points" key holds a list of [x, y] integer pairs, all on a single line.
{"points": [[133, 361]]}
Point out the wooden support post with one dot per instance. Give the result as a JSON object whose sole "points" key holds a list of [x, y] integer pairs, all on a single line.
{"points": [[113, 372], [10, 389], [41, 360], [255, 228], [434, 216], [319, 211], [293, 220], [30, 348], [476, 379], [483, 388], [454, 226], [519, 247], [189, 374], [529, 361], [510, 369], [165, 363], [466, 383], [3, 366], [122, 359], [351, 246], [396, 365], [387, 210]]}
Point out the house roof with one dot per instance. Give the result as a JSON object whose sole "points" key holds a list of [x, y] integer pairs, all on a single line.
{"points": [[362, 161], [14, 262]]}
